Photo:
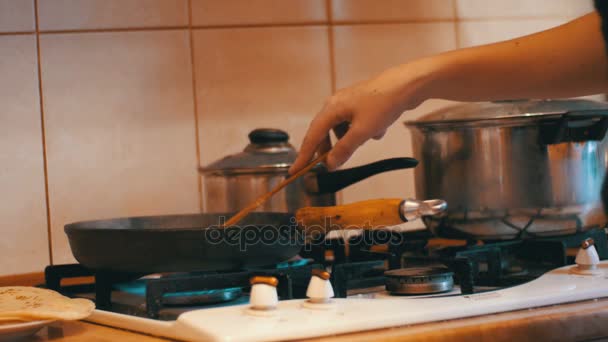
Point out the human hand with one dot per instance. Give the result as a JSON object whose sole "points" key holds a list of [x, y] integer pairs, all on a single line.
{"points": [[362, 112]]}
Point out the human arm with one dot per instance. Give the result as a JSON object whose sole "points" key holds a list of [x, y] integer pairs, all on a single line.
{"points": [[569, 60]]}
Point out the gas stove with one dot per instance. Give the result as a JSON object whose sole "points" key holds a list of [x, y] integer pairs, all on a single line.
{"points": [[396, 279]]}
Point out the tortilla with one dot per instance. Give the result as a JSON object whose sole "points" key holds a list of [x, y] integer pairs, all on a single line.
{"points": [[31, 303]]}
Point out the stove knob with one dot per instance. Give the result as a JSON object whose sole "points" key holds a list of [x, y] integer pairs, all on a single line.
{"points": [[264, 293], [319, 289], [587, 258]]}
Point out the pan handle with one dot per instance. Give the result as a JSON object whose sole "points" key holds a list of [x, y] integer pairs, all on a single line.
{"points": [[329, 182], [368, 215]]}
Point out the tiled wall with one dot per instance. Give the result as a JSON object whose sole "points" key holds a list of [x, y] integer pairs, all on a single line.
{"points": [[108, 106]]}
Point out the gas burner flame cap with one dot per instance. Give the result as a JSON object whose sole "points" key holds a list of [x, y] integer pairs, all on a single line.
{"points": [[418, 272]]}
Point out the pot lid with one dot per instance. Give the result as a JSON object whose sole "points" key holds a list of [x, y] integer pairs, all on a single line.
{"points": [[268, 149], [526, 110]]}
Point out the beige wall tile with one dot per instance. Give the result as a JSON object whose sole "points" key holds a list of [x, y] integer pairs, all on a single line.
{"points": [[247, 12], [17, 15], [258, 77], [24, 243], [389, 10], [101, 14], [471, 33], [363, 51], [468, 9], [119, 126]]}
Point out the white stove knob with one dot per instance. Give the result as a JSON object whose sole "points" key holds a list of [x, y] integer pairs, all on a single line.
{"points": [[264, 293], [587, 258], [319, 289]]}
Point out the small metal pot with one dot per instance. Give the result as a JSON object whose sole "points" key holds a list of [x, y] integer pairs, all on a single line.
{"points": [[234, 181], [513, 169]]}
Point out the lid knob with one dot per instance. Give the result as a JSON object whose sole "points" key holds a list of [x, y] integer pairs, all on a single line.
{"points": [[268, 136]]}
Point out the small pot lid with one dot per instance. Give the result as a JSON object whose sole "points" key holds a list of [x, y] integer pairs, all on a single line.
{"points": [[526, 110], [269, 149]]}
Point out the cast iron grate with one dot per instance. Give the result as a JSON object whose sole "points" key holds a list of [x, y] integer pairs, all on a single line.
{"points": [[292, 283]]}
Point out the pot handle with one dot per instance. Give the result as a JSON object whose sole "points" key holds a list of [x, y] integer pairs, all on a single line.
{"points": [[575, 127], [329, 182]]}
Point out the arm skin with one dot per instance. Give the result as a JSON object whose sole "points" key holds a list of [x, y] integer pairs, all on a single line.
{"points": [[569, 60], [566, 61]]}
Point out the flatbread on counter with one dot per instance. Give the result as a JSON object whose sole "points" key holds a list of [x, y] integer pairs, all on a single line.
{"points": [[11, 320], [26, 303]]}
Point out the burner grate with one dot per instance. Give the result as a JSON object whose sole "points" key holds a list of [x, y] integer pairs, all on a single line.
{"points": [[356, 275], [292, 283], [491, 265], [511, 263]]}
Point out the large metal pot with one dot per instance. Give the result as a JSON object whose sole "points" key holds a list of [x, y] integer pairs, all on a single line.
{"points": [[513, 169], [231, 183]]}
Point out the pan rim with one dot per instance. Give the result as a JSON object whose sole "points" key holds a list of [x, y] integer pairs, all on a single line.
{"points": [[90, 225]]}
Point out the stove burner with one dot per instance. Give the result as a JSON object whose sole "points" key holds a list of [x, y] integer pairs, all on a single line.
{"points": [[418, 280], [204, 297]]}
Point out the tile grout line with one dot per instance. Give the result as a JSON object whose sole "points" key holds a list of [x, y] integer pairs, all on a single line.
{"points": [[456, 24], [267, 25], [123, 29], [390, 21], [195, 104], [330, 40], [332, 64], [43, 135], [18, 33]]}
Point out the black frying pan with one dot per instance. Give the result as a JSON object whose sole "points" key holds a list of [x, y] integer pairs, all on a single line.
{"points": [[185, 243], [182, 243]]}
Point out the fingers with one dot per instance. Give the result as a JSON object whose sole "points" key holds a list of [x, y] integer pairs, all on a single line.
{"points": [[345, 147], [316, 134]]}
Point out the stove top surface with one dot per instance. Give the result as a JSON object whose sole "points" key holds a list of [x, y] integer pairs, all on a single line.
{"points": [[474, 269], [299, 319]]}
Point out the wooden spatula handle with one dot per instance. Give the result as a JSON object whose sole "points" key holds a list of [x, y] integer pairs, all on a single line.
{"points": [[371, 214]]}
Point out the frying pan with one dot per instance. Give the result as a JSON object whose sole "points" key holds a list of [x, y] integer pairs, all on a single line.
{"points": [[186, 243], [183, 243]]}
